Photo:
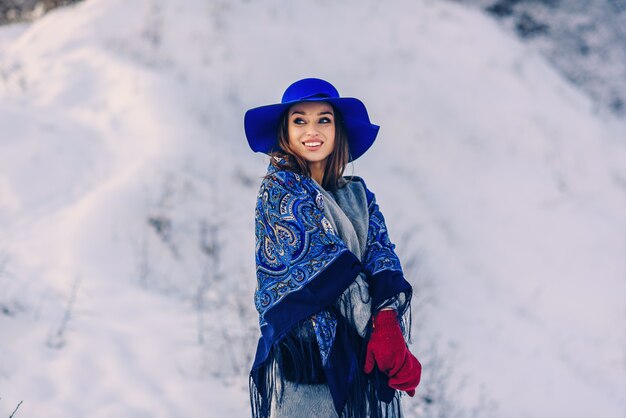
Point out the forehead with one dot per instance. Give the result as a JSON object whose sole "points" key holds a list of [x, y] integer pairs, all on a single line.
{"points": [[311, 107]]}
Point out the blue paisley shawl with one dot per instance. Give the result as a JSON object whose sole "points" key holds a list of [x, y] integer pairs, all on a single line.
{"points": [[303, 267]]}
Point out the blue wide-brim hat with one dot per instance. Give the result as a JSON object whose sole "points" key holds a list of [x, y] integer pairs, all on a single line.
{"points": [[261, 123]]}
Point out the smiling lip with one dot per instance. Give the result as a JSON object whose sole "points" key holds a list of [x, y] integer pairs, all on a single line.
{"points": [[313, 145]]}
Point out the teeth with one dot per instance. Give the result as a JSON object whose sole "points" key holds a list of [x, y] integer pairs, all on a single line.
{"points": [[312, 144]]}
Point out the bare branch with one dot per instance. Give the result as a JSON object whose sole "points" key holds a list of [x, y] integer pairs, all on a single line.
{"points": [[57, 340], [15, 410]]}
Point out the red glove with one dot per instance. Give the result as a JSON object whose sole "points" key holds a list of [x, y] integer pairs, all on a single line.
{"points": [[387, 350]]}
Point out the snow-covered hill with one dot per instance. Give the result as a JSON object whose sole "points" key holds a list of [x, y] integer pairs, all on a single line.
{"points": [[127, 194], [584, 39]]}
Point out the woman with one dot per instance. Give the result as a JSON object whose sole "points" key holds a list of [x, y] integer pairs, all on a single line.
{"points": [[330, 289]]}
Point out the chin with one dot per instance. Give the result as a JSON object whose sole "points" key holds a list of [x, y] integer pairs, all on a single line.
{"points": [[315, 159]]}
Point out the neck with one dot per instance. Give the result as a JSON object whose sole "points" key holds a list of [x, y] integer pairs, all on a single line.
{"points": [[317, 171]]}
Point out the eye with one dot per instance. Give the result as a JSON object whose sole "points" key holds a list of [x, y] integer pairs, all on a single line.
{"points": [[326, 120], [299, 121]]}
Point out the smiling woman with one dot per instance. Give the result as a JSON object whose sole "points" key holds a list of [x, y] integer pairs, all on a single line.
{"points": [[330, 289], [309, 132]]}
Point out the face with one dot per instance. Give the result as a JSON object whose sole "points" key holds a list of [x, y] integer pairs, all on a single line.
{"points": [[311, 128]]}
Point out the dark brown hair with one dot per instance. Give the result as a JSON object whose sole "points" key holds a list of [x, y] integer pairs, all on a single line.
{"points": [[335, 164]]}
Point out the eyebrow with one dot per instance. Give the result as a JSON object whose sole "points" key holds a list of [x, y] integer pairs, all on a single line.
{"points": [[299, 112]]}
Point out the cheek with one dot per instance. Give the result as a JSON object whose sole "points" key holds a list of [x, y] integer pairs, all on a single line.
{"points": [[293, 135], [330, 133]]}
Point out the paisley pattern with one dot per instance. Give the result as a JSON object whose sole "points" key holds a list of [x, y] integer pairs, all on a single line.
{"points": [[325, 326], [380, 254], [295, 243], [303, 266]]}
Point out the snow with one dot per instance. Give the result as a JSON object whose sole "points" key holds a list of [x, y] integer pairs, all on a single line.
{"points": [[127, 192], [584, 40]]}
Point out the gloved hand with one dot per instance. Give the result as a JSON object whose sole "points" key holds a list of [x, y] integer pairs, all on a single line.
{"points": [[387, 350]]}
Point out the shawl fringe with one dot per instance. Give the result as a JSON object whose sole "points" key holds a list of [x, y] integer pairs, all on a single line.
{"points": [[295, 358]]}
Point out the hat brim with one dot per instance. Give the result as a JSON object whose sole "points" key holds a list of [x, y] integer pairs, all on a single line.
{"points": [[261, 124]]}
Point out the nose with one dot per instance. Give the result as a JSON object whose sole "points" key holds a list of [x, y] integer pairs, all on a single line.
{"points": [[312, 130]]}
